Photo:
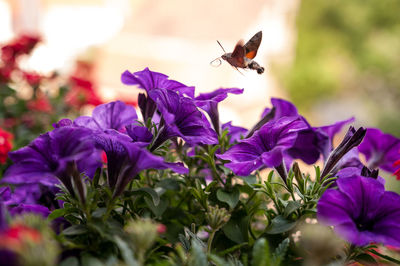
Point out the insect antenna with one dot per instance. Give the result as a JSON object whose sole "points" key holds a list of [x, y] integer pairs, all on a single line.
{"points": [[221, 46], [215, 60]]}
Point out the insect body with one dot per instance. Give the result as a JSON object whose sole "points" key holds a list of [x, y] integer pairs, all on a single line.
{"points": [[242, 56]]}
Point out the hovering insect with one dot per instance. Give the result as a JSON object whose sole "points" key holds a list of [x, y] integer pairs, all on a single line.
{"points": [[242, 56]]}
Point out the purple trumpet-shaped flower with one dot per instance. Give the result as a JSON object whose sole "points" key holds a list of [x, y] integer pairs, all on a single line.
{"points": [[280, 108], [364, 171], [53, 156], [317, 140], [126, 159], [114, 115], [209, 103], [361, 211], [267, 147], [24, 199], [149, 80], [181, 118], [380, 149]]}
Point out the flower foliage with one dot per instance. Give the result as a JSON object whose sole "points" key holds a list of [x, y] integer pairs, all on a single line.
{"points": [[177, 186]]}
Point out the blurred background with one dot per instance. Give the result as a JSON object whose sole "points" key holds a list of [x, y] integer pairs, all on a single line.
{"points": [[333, 59]]}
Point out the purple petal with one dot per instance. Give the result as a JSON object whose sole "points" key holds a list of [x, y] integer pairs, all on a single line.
{"points": [[234, 132], [182, 118], [30, 208], [149, 80], [63, 123], [139, 133], [380, 149], [282, 108]]}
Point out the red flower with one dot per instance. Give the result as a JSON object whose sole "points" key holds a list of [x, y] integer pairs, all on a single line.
{"points": [[5, 73], [32, 78], [22, 45], [161, 229], [14, 237], [397, 172], [104, 157], [41, 104], [132, 102], [5, 145], [82, 92]]}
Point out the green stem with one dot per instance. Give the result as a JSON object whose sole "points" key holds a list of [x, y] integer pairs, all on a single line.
{"points": [[384, 256], [126, 202], [109, 209], [251, 197], [210, 239]]}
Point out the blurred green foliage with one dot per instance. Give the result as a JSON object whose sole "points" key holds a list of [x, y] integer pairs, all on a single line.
{"points": [[348, 50]]}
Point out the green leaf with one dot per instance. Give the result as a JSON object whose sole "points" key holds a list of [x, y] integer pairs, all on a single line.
{"points": [[77, 229], [198, 256], [280, 225], [126, 252], [250, 180], [218, 261], [88, 260], [99, 212], [71, 261], [168, 184], [56, 213], [159, 209], [233, 232], [231, 198], [261, 253], [366, 259], [280, 251], [291, 207], [149, 192]]}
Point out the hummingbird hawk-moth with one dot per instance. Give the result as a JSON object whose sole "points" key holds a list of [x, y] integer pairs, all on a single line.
{"points": [[242, 56]]}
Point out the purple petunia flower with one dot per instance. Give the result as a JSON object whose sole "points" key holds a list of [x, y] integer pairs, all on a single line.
{"points": [[126, 159], [181, 118], [267, 147], [209, 103], [361, 211], [364, 171], [282, 108], [50, 157], [317, 140], [24, 199], [150, 80], [114, 115], [380, 149]]}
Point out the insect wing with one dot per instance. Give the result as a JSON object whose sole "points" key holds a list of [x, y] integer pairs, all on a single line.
{"points": [[252, 45], [238, 52]]}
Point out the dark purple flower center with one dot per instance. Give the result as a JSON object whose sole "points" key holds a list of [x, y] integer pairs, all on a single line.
{"points": [[363, 225]]}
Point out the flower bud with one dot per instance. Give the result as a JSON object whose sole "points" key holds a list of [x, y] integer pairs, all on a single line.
{"points": [[217, 217]]}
